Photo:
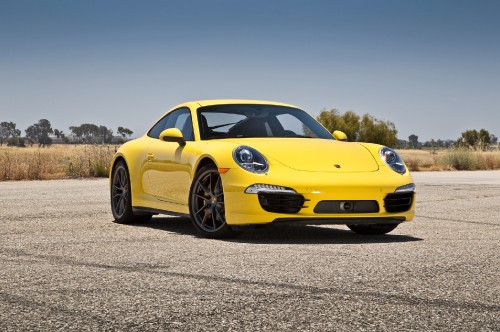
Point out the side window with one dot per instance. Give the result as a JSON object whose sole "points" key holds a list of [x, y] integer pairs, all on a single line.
{"points": [[180, 119]]}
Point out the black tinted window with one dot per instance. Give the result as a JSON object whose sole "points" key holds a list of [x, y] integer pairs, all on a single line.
{"points": [[233, 121], [180, 119]]}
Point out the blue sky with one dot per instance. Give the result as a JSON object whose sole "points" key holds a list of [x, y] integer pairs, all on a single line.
{"points": [[431, 67]]}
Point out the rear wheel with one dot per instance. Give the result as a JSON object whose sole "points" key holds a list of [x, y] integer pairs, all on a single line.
{"points": [[206, 204], [372, 229], [121, 198]]}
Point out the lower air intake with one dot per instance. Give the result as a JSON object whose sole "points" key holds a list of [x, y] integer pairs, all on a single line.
{"points": [[281, 203], [398, 202]]}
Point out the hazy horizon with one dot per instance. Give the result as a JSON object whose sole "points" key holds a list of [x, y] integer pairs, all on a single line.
{"points": [[431, 67]]}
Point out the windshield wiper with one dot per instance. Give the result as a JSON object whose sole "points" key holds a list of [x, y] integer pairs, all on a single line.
{"points": [[222, 125]]}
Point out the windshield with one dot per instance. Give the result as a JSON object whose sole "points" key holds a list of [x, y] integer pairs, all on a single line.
{"points": [[235, 121]]}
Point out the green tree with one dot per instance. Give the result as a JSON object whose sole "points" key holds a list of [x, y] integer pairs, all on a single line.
{"points": [[40, 133], [366, 129], [9, 132], [475, 139], [413, 141], [124, 132], [348, 122], [92, 134], [330, 119], [377, 131]]}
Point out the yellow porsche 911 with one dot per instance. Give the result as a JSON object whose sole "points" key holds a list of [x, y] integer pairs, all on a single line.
{"points": [[235, 163]]}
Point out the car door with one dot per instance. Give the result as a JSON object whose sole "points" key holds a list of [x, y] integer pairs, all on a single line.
{"points": [[168, 167]]}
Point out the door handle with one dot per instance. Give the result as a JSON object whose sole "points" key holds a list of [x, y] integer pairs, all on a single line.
{"points": [[151, 157]]}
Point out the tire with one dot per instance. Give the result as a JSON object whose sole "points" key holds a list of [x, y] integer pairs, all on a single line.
{"points": [[373, 229], [206, 204], [121, 198]]}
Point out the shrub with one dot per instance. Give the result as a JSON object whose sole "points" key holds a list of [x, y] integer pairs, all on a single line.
{"points": [[461, 159]]}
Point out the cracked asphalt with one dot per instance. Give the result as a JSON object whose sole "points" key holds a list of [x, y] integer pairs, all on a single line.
{"points": [[64, 265]]}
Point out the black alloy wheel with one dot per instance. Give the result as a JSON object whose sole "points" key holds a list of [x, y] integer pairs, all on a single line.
{"points": [[121, 201], [206, 204]]}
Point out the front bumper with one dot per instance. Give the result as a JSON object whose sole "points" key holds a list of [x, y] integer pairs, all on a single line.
{"points": [[245, 209]]}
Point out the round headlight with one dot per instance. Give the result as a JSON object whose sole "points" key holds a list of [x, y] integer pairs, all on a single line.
{"points": [[392, 159], [245, 156], [250, 159]]}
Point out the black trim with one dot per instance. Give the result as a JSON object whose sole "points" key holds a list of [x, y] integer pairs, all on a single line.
{"points": [[341, 221], [145, 210], [398, 202], [281, 202], [345, 206]]}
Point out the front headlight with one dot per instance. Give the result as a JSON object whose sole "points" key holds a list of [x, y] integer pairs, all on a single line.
{"points": [[392, 159], [250, 159]]}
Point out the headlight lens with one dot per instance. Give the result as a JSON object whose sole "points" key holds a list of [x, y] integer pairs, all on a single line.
{"points": [[250, 159], [391, 158]]}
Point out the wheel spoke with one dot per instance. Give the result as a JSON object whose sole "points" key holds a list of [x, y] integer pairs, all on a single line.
{"points": [[201, 197], [121, 205], [205, 189], [205, 217], [218, 214], [201, 209], [217, 189]]}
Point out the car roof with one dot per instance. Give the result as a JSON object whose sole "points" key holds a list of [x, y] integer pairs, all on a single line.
{"points": [[203, 103]]}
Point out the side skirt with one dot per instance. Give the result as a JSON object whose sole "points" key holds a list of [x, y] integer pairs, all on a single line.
{"points": [[145, 210]]}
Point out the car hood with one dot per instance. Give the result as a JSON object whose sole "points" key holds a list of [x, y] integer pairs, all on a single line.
{"points": [[314, 155]]}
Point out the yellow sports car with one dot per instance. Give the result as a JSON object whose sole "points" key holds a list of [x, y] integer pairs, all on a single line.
{"points": [[235, 163]]}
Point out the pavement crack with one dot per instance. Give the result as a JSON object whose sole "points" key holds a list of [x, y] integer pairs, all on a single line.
{"points": [[458, 220], [380, 297]]}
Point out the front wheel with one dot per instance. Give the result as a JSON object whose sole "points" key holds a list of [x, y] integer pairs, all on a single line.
{"points": [[372, 229], [206, 204], [121, 198]]}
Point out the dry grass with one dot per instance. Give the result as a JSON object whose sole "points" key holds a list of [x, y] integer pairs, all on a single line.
{"points": [[55, 162], [80, 161], [452, 159]]}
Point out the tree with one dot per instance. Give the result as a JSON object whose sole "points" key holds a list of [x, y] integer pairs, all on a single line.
{"points": [[105, 134], [39, 133], [493, 139], [124, 132], [484, 139], [475, 139], [92, 134], [8, 130], [377, 131], [368, 129], [413, 141], [59, 133], [348, 122]]}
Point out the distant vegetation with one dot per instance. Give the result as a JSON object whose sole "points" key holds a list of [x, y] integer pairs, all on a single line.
{"points": [[42, 134], [366, 128]]}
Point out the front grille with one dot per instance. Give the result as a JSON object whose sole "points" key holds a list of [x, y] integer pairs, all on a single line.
{"points": [[281, 203], [361, 206], [398, 202]]}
